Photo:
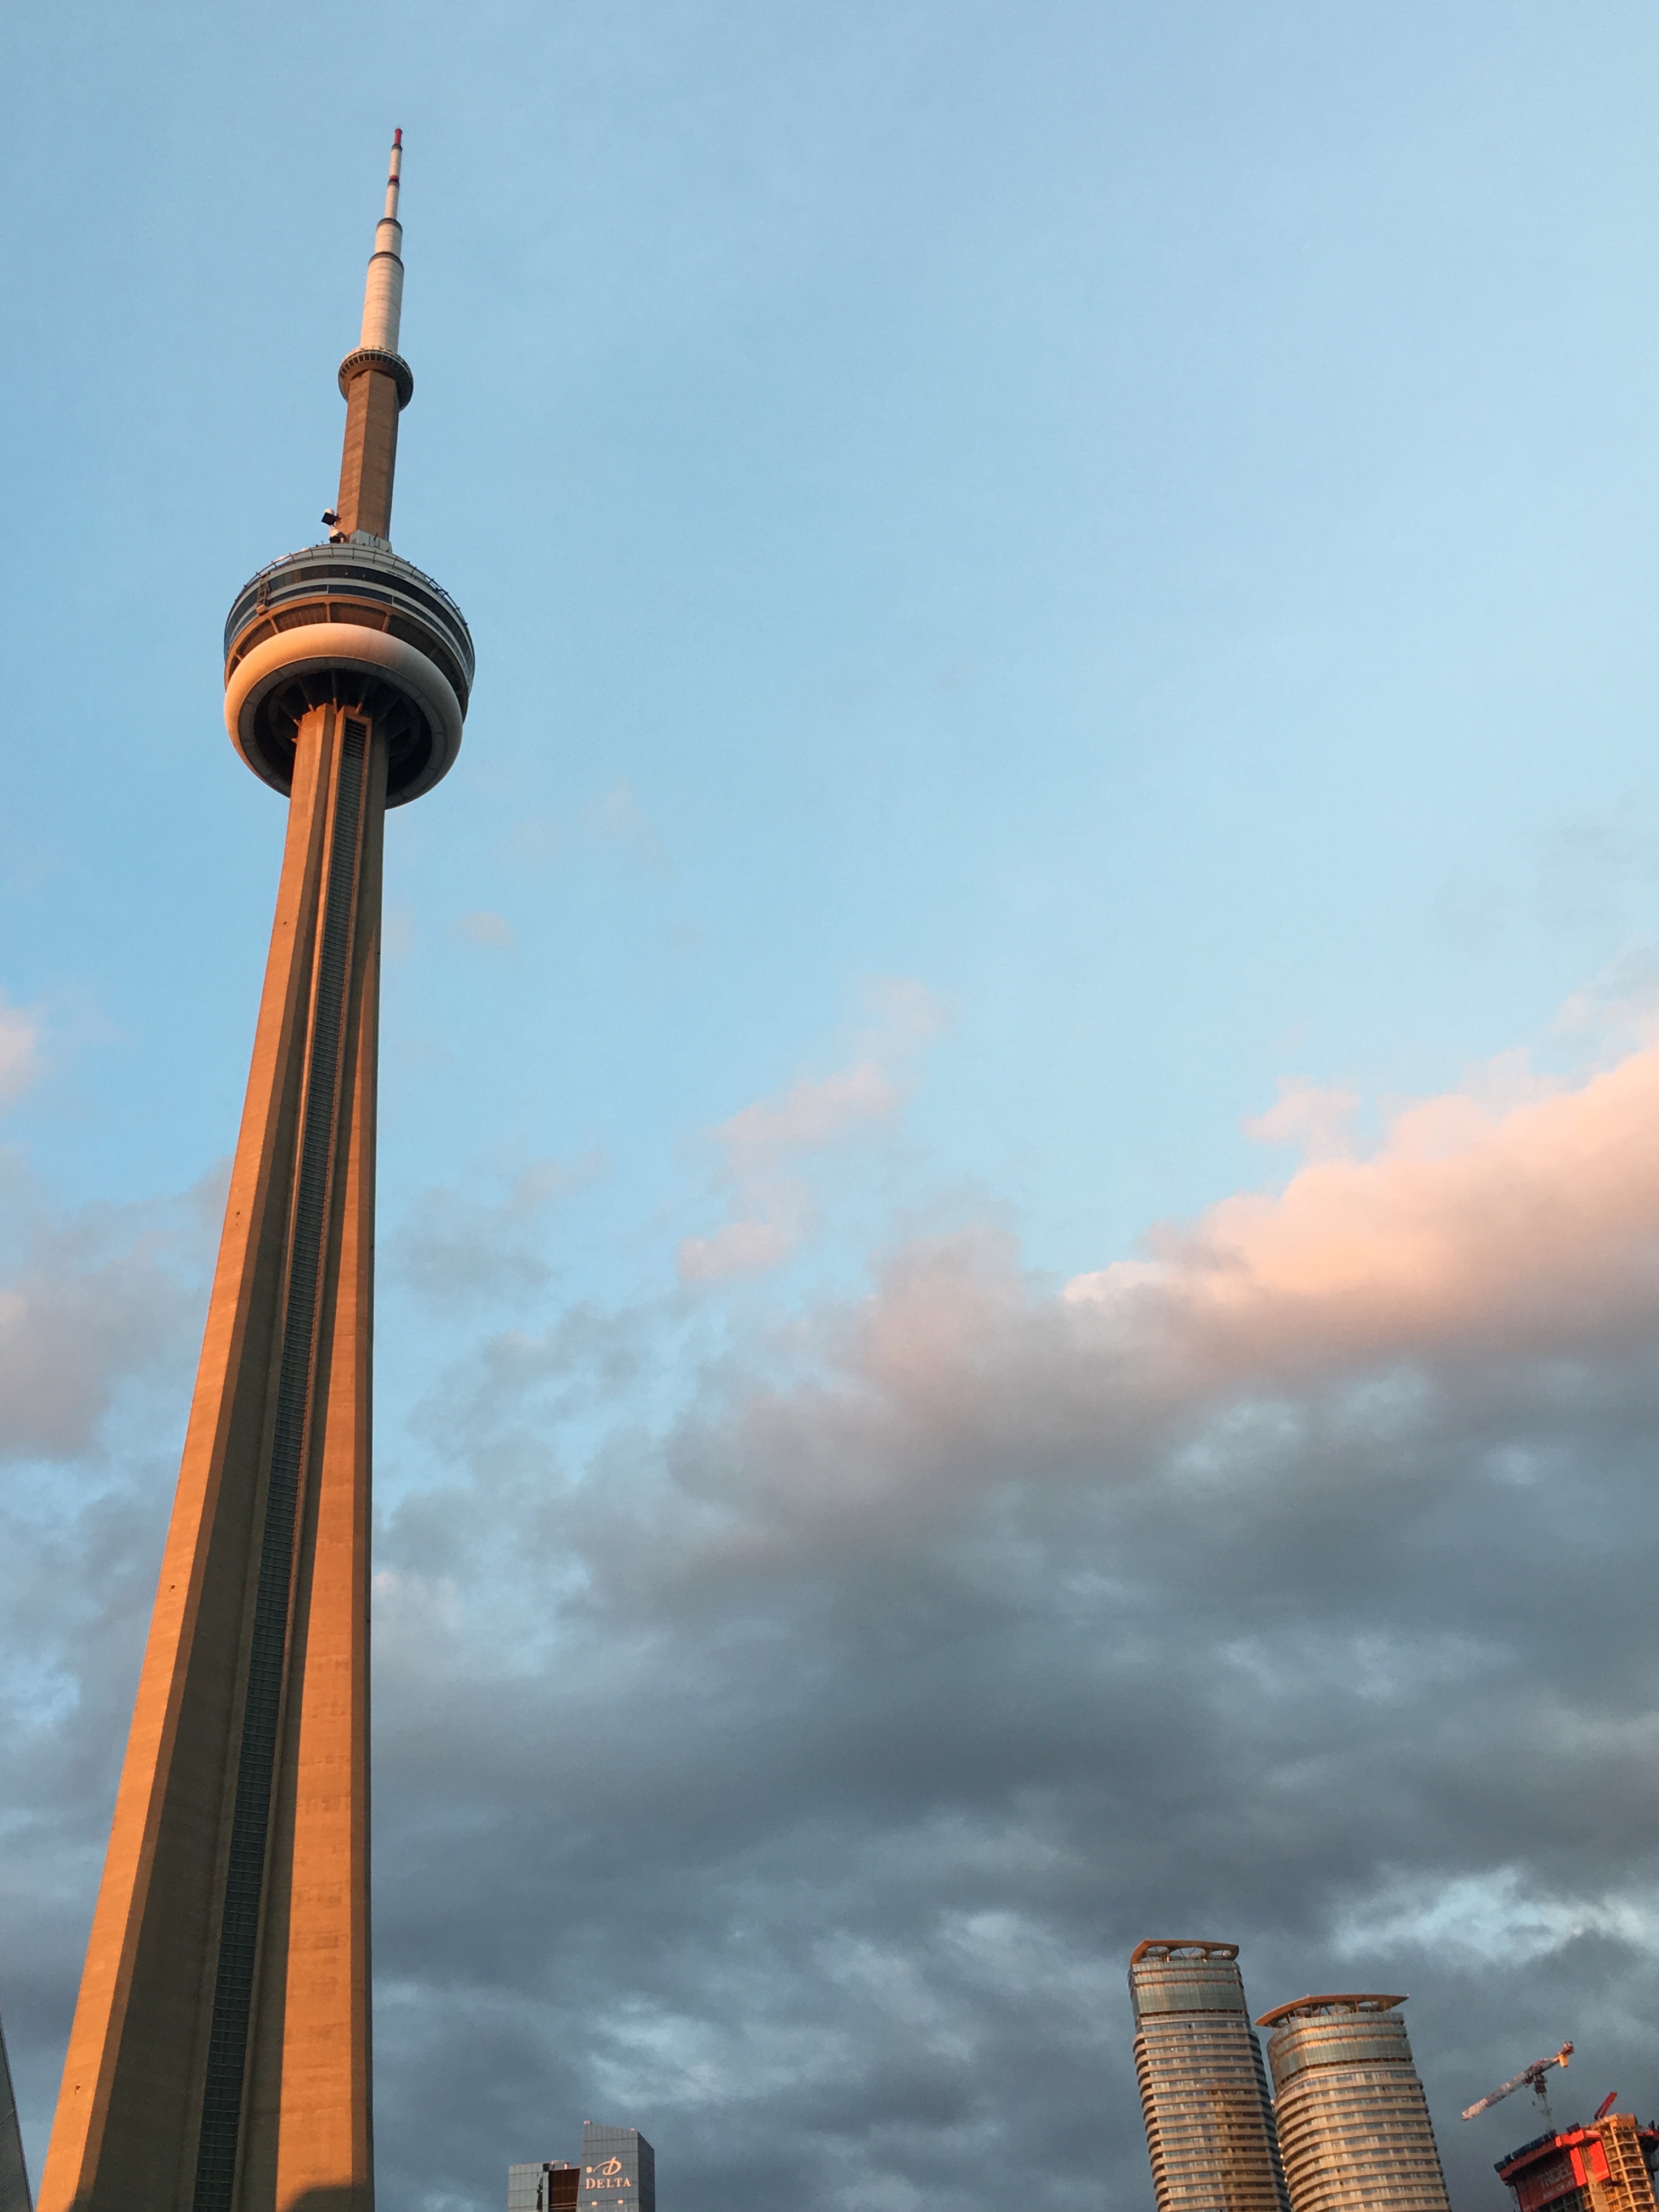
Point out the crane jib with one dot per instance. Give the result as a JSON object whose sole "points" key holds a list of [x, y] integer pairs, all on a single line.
{"points": [[1530, 2077]]}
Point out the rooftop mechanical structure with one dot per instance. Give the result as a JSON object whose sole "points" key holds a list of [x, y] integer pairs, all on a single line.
{"points": [[219, 2059]]}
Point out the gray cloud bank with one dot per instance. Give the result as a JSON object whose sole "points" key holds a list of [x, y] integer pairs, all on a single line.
{"points": [[790, 1774]]}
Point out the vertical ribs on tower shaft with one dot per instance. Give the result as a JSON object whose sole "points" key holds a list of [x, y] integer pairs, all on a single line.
{"points": [[220, 2056]]}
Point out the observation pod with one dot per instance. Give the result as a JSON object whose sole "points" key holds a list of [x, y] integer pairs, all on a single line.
{"points": [[352, 625]]}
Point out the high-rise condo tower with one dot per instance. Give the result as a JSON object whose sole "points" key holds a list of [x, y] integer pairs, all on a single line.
{"points": [[1203, 2089], [219, 2060], [1353, 2123]]}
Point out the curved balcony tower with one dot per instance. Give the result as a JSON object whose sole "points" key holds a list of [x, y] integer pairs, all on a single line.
{"points": [[219, 2060], [1353, 2123], [1203, 2089]]}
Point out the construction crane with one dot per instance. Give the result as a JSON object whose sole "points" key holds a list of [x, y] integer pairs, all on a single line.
{"points": [[1531, 2077]]}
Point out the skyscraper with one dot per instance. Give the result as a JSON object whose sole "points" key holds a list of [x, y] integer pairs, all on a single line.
{"points": [[1203, 2089], [550, 2185], [1353, 2123], [219, 2060], [619, 2171], [14, 2174]]}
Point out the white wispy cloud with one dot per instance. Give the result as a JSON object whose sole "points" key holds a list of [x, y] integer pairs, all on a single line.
{"points": [[770, 1204], [487, 928]]}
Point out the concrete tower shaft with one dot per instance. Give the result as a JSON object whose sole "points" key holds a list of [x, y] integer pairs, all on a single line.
{"points": [[219, 2059]]}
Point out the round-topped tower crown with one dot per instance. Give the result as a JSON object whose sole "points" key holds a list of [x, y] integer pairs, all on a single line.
{"points": [[350, 623]]}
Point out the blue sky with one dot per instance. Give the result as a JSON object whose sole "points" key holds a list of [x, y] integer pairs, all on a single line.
{"points": [[1042, 577]]}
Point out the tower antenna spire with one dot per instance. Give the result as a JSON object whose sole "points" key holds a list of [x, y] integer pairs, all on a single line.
{"points": [[383, 292], [377, 383]]}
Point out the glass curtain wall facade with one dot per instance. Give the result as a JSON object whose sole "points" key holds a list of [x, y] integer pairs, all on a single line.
{"points": [[619, 2171], [1353, 2123], [1203, 2087], [550, 2185]]}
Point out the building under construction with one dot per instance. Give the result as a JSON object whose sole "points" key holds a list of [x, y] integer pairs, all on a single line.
{"points": [[1607, 2166]]}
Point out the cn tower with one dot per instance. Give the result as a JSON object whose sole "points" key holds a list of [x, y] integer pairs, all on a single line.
{"points": [[219, 2060]]}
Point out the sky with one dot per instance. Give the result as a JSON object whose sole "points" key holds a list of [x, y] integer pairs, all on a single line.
{"points": [[1019, 1178]]}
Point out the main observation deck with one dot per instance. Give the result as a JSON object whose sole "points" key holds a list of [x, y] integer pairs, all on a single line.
{"points": [[357, 624]]}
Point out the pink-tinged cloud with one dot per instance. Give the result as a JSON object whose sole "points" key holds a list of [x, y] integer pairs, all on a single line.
{"points": [[1528, 1223], [807, 1117], [1495, 1223], [741, 1248], [1316, 1120], [774, 1209]]}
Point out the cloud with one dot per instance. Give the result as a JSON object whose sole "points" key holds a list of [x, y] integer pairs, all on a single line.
{"points": [[533, 841], [806, 1118], [1289, 1584], [101, 1309], [773, 1208], [456, 1244], [483, 927], [20, 1049], [785, 1729], [1317, 1121], [747, 1247], [1533, 1225], [756, 1143], [617, 821], [89, 1300]]}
